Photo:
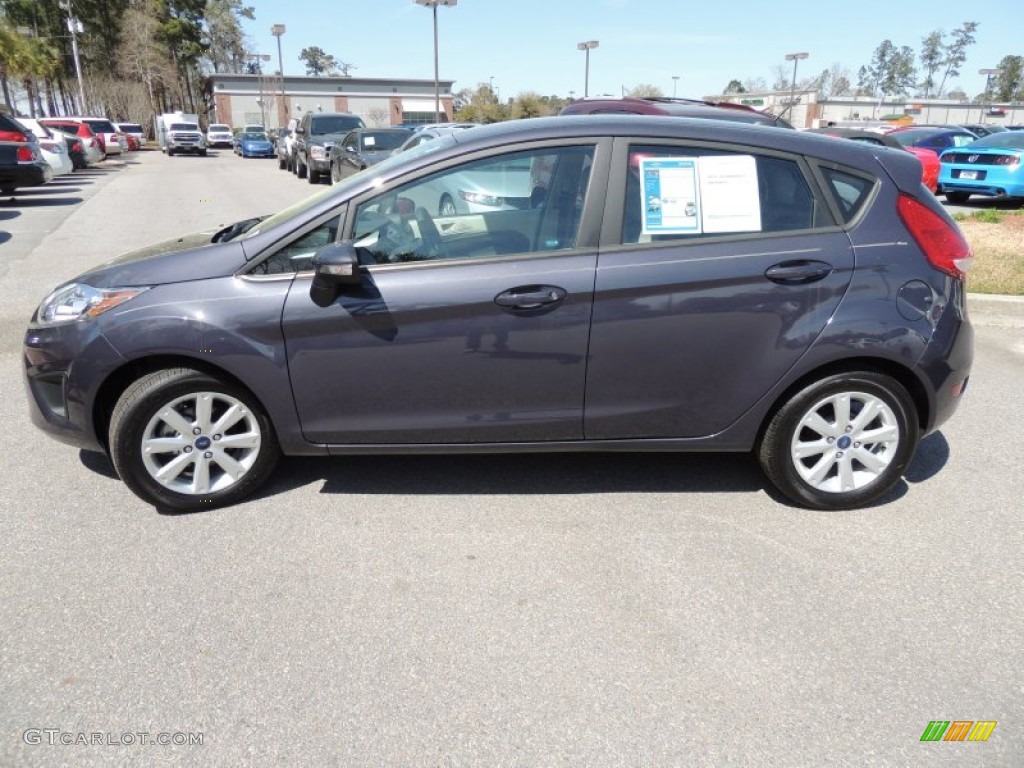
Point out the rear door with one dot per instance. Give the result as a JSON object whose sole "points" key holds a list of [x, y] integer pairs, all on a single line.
{"points": [[719, 267]]}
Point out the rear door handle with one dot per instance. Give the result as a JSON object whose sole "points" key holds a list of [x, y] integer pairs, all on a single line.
{"points": [[798, 272], [530, 296]]}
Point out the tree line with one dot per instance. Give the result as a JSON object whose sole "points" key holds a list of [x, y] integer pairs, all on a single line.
{"points": [[138, 57], [896, 70]]}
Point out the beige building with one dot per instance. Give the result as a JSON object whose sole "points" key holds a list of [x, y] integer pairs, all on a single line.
{"points": [[259, 99], [810, 111]]}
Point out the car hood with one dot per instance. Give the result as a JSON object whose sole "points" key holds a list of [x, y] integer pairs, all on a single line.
{"points": [[327, 138], [194, 256]]}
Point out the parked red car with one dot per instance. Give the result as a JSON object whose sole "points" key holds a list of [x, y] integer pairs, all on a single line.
{"points": [[929, 159], [76, 128]]}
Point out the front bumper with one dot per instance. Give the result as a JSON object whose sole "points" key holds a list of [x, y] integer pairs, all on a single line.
{"points": [[64, 367]]}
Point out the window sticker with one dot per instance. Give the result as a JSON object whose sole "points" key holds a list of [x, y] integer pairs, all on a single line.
{"points": [[693, 195], [669, 196], [729, 194]]}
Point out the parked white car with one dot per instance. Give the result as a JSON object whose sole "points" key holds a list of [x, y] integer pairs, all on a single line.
{"points": [[219, 135], [133, 129], [52, 146]]}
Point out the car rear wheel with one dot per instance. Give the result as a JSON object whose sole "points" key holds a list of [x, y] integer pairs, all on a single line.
{"points": [[841, 442], [313, 177], [183, 440], [300, 169], [958, 198]]}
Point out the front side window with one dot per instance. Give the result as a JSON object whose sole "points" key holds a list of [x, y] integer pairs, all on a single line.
{"points": [[675, 192], [520, 202]]}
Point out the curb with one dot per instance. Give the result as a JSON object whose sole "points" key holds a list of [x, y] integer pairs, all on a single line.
{"points": [[993, 309]]}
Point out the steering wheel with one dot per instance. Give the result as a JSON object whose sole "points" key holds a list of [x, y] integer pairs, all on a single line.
{"points": [[395, 241], [429, 233]]}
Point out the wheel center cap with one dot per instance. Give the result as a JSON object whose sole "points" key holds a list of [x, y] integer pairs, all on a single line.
{"points": [[844, 442], [203, 443]]}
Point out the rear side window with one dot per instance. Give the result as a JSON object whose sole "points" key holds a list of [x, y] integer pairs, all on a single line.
{"points": [[850, 192], [675, 192]]}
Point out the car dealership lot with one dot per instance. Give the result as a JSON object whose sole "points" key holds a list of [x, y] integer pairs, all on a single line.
{"points": [[525, 610]]}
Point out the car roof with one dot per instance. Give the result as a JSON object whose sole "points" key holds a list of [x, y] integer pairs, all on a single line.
{"points": [[660, 126], [670, 106]]}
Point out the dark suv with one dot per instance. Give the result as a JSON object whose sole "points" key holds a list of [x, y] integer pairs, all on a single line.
{"points": [[315, 134], [721, 110], [611, 283]]}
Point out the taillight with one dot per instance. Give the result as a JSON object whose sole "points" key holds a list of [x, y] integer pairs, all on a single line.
{"points": [[942, 241], [13, 136], [1006, 160], [25, 155]]}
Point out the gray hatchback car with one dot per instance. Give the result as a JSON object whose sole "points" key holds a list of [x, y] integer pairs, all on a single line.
{"points": [[646, 284]]}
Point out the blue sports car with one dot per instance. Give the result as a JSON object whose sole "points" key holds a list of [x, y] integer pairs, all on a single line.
{"points": [[255, 145], [989, 166]]}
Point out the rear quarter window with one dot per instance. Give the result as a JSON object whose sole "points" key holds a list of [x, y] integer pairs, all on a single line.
{"points": [[850, 192]]}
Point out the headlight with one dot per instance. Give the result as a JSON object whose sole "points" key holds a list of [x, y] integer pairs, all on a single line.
{"points": [[78, 301], [317, 152]]}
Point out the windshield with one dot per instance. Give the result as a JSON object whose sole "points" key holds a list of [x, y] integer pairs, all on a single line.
{"points": [[334, 124], [130, 127], [1006, 140], [254, 137], [184, 127], [382, 168], [384, 140], [103, 126]]}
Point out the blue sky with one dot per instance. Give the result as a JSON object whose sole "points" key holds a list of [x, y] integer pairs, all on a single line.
{"points": [[530, 45]]}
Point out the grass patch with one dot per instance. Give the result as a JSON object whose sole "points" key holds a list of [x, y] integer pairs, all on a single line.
{"points": [[997, 239]]}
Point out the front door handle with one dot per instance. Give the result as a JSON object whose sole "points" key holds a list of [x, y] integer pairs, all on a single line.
{"points": [[531, 296], [798, 272]]}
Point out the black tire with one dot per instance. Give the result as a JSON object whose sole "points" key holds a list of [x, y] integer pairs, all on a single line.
{"points": [[313, 177], [958, 198], [892, 414], [281, 163], [300, 169], [170, 153], [202, 153], [139, 416]]}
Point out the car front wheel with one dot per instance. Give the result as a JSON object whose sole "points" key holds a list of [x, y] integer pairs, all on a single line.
{"points": [[841, 442], [183, 440]]}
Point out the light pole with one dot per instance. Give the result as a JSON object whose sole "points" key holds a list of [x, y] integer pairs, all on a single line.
{"points": [[432, 4], [988, 73], [675, 82], [277, 30], [794, 57], [75, 28], [258, 57], [586, 46]]}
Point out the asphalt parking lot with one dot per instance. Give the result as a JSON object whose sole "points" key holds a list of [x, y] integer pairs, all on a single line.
{"points": [[586, 610]]}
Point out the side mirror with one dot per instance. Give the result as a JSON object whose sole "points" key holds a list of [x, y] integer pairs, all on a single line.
{"points": [[334, 266], [299, 131]]}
